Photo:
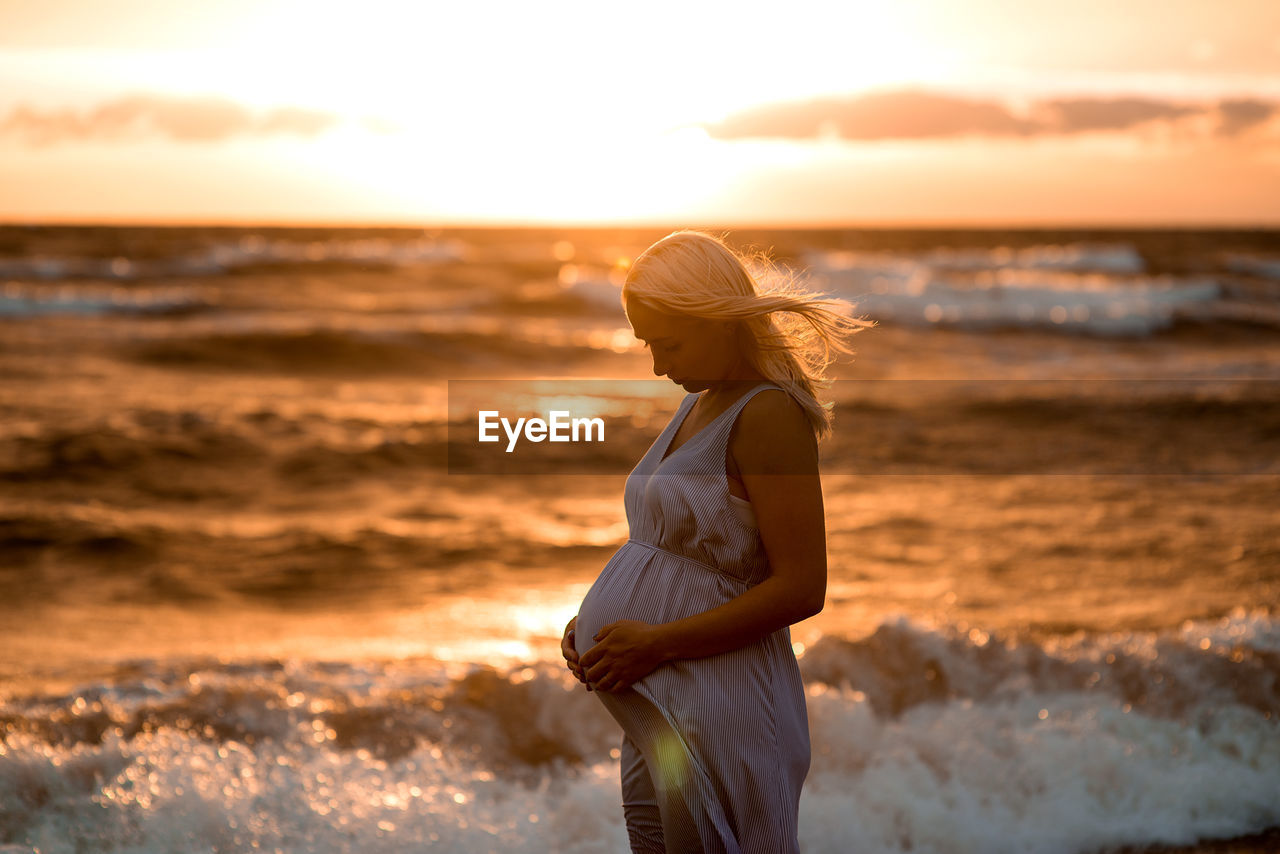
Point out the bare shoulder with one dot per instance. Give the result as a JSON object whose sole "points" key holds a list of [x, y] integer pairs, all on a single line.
{"points": [[774, 411], [773, 435]]}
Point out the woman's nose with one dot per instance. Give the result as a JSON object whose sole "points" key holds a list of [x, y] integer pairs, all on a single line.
{"points": [[659, 367]]}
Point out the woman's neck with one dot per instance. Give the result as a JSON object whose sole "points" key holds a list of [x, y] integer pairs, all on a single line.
{"points": [[732, 386]]}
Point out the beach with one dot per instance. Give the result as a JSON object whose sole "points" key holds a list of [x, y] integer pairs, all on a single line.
{"points": [[252, 600]]}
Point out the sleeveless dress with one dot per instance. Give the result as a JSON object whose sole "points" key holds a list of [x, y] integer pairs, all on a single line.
{"points": [[715, 750]]}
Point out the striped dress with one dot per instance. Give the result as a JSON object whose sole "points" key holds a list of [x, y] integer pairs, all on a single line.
{"points": [[715, 749]]}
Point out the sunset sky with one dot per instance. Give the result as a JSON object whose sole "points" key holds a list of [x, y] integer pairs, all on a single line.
{"points": [[980, 112]]}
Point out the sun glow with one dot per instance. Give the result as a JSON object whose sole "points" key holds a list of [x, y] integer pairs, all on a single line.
{"points": [[577, 111], [568, 112]]}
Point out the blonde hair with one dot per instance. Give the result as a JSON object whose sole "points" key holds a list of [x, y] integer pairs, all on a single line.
{"points": [[787, 333]]}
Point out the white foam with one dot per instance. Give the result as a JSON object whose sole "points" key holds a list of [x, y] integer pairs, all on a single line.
{"points": [[1013, 748], [1044, 773], [1254, 265], [255, 249], [1071, 288], [22, 300], [1080, 257], [599, 286], [227, 256]]}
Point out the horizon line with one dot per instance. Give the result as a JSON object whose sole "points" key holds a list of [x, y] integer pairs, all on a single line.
{"points": [[531, 225]]}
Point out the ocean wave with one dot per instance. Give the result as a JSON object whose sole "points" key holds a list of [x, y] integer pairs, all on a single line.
{"points": [[347, 351], [1103, 427], [247, 253], [1116, 258], [321, 464], [899, 667], [186, 457], [1262, 266], [24, 300], [1009, 747], [84, 559], [1177, 674], [1106, 427], [28, 539], [1081, 292]]}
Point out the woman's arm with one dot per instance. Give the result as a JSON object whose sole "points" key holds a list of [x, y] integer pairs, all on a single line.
{"points": [[777, 459]]}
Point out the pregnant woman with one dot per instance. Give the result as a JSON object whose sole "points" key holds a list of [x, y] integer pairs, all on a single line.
{"points": [[684, 636]]}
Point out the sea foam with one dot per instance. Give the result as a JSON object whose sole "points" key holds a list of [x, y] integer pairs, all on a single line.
{"points": [[1099, 290], [1013, 752]]}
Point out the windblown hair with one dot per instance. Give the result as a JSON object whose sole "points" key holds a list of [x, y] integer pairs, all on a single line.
{"points": [[788, 333]]}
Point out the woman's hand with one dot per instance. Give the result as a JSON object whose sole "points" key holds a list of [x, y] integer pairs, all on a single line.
{"points": [[570, 652], [625, 652]]}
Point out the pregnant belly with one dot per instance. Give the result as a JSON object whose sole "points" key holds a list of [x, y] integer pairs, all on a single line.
{"points": [[650, 585], [608, 600]]}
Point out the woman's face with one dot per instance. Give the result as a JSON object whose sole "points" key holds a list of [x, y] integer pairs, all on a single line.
{"points": [[694, 353]]}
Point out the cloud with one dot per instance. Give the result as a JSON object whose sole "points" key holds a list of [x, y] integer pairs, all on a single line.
{"points": [[881, 115], [915, 114], [1078, 115], [184, 119], [1238, 115]]}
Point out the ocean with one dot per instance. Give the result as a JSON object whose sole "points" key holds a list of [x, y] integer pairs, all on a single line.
{"points": [[253, 597]]}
